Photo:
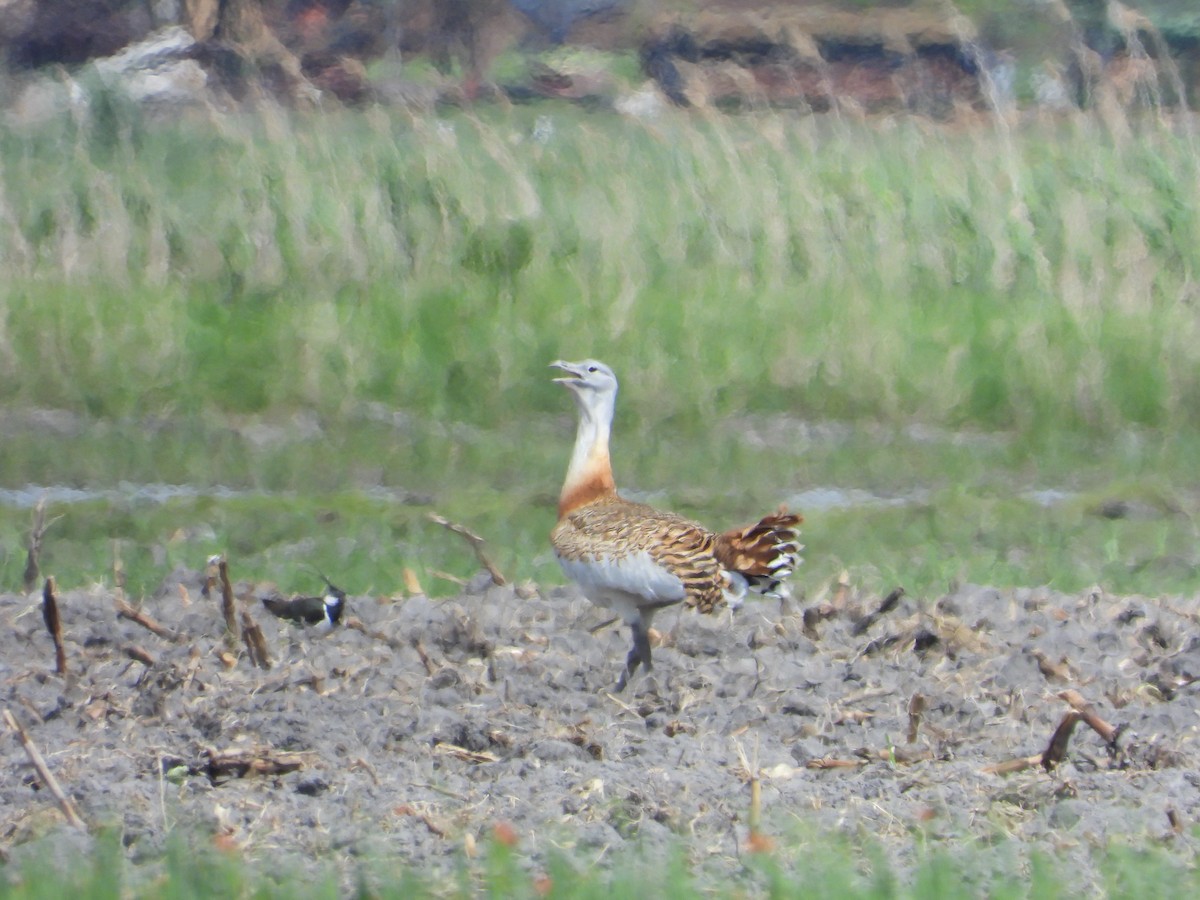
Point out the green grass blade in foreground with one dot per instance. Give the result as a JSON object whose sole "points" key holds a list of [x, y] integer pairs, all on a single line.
{"points": [[825, 866]]}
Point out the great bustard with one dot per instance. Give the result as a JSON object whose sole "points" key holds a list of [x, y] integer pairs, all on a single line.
{"points": [[635, 559]]}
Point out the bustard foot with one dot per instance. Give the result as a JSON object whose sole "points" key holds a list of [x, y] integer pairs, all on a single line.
{"points": [[640, 653]]}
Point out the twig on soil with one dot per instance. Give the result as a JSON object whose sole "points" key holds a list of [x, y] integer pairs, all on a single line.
{"points": [[125, 611], [256, 644], [356, 624], [406, 809], [901, 756], [756, 842], [1009, 766], [1051, 670], [886, 606], [438, 789], [842, 591], [1175, 820], [829, 762], [228, 610], [477, 544], [361, 763], [210, 576], [118, 570], [814, 616], [1108, 732], [37, 532], [64, 802], [134, 651], [916, 708], [1057, 748], [625, 706], [254, 761], [596, 629], [475, 756], [32, 710], [431, 667], [54, 625]]}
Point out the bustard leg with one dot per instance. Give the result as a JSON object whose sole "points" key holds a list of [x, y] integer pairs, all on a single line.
{"points": [[640, 653]]}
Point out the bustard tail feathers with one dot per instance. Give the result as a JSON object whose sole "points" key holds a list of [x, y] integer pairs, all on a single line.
{"points": [[764, 553]]}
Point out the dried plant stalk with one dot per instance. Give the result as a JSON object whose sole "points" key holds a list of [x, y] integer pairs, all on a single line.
{"points": [[477, 544], [125, 611], [754, 817], [228, 608], [118, 571], [256, 644], [916, 708], [1013, 765], [1057, 748], [139, 653], [1088, 714], [253, 761], [355, 623], [54, 625], [1175, 821], [64, 802], [430, 667], [830, 762], [37, 531]]}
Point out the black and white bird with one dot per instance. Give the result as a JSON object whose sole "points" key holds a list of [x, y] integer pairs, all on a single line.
{"points": [[325, 611]]}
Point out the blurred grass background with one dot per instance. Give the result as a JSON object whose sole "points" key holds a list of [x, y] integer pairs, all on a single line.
{"points": [[343, 320]]}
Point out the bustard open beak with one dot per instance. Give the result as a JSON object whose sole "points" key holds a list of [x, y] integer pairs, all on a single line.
{"points": [[573, 373]]}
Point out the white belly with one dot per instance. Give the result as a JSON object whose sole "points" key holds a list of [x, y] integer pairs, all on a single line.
{"points": [[628, 586]]}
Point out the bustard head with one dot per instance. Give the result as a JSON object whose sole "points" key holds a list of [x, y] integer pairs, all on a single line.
{"points": [[593, 384]]}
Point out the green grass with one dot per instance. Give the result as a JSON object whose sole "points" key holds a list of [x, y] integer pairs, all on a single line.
{"points": [[312, 310], [929, 513], [835, 270], [817, 867]]}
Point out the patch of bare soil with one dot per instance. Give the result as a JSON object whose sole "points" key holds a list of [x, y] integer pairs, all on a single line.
{"points": [[1063, 720]]}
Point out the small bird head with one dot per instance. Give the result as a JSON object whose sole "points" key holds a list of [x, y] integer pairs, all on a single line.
{"points": [[591, 381], [334, 599], [335, 603]]}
